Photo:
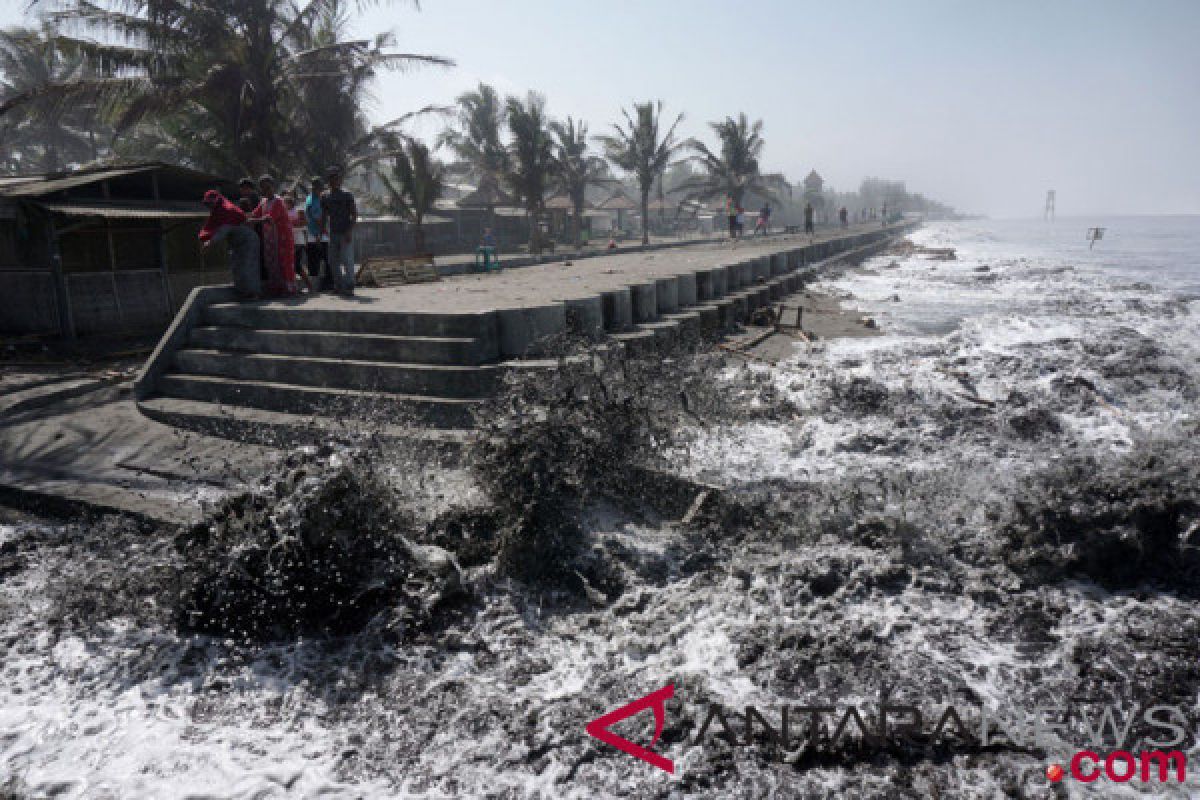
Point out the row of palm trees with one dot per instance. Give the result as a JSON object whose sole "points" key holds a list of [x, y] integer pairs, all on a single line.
{"points": [[241, 87], [513, 144]]}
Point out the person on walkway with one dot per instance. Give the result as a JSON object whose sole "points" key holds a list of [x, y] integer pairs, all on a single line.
{"points": [[227, 221], [279, 249], [764, 219], [883, 216], [299, 235], [317, 249], [731, 211], [741, 221], [341, 214], [808, 218], [487, 251], [844, 216]]}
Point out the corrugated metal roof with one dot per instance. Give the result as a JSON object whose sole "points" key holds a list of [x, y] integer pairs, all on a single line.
{"points": [[40, 186], [125, 211], [14, 181], [37, 185]]}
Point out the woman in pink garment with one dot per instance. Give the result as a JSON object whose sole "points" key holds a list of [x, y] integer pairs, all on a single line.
{"points": [[279, 247]]}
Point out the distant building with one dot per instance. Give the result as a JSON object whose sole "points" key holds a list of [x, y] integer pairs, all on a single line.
{"points": [[102, 250], [813, 184]]}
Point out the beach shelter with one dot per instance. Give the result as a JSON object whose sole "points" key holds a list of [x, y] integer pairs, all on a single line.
{"points": [[488, 196], [618, 202]]}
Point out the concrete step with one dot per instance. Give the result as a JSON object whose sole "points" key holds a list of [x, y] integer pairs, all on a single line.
{"points": [[299, 318], [357, 346], [282, 429], [330, 373], [442, 412]]}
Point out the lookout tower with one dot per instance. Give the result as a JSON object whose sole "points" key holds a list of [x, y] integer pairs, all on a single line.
{"points": [[1050, 205], [813, 184]]}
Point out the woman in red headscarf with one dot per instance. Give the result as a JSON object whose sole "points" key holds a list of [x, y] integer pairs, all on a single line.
{"points": [[227, 221], [279, 248]]}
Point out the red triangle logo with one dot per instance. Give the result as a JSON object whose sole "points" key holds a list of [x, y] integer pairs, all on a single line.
{"points": [[656, 701]]}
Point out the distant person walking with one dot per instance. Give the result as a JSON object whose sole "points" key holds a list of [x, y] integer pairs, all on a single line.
{"points": [[227, 221], [741, 221], [883, 216], [844, 216], [808, 218], [317, 249], [341, 215], [731, 212], [764, 220]]}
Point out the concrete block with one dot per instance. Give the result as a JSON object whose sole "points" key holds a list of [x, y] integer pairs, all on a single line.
{"points": [[761, 268], [720, 282], [585, 316], [618, 310], [522, 329], [667, 295], [745, 274], [645, 302], [687, 289]]}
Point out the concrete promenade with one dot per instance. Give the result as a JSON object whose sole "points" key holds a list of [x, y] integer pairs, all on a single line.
{"points": [[435, 351]]}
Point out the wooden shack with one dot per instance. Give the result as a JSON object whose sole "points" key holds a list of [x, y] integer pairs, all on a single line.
{"points": [[102, 250]]}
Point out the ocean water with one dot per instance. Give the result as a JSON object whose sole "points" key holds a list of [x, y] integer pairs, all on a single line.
{"points": [[884, 478]]}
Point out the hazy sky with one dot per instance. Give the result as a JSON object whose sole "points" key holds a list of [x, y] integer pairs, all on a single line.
{"points": [[985, 105]]}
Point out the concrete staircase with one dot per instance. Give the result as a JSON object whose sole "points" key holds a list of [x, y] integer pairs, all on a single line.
{"points": [[416, 370]]}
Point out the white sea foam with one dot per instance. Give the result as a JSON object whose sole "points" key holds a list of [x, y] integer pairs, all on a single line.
{"points": [[78, 720]]}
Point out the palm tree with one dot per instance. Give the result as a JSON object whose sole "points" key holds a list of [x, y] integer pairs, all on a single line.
{"points": [[531, 161], [575, 169], [225, 82], [417, 182], [733, 172], [638, 149], [38, 135], [476, 139]]}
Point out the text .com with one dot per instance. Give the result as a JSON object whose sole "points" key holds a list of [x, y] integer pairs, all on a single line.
{"points": [[1122, 766]]}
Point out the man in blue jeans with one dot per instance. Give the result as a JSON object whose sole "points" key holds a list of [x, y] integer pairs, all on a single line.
{"points": [[317, 249], [340, 216]]}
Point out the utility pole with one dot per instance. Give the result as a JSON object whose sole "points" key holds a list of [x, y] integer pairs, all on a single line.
{"points": [[1050, 205]]}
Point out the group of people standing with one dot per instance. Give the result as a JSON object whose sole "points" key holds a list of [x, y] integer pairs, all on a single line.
{"points": [[272, 236], [737, 219]]}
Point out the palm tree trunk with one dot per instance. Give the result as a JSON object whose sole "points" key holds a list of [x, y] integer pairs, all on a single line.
{"points": [[419, 237], [645, 215], [577, 224]]}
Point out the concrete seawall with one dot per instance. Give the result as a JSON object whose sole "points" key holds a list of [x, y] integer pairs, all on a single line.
{"points": [[438, 349]]}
